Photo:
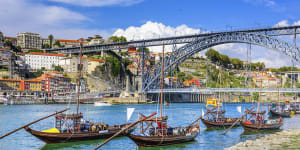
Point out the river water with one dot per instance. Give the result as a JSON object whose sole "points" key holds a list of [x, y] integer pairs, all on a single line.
{"points": [[180, 114]]}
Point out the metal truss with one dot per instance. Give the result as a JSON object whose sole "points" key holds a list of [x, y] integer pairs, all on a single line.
{"points": [[152, 80], [274, 31], [216, 90]]}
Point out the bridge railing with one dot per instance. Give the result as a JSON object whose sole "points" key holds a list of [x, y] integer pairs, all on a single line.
{"points": [[214, 90]]}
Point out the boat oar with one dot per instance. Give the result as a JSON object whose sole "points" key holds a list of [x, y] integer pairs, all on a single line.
{"points": [[116, 134], [195, 121], [28, 124], [237, 120]]}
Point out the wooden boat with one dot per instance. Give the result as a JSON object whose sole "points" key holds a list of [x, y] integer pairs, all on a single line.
{"points": [[85, 131], [284, 113], [149, 141], [216, 118], [72, 127], [158, 133], [256, 122], [163, 135], [296, 108]]}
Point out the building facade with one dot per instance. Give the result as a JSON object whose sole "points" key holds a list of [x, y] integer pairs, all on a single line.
{"points": [[13, 40], [29, 40], [71, 64], [36, 60], [68, 43]]}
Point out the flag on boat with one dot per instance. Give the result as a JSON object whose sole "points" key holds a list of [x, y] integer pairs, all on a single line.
{"points": [[129, 112], [211, 103], [202, 113], [166, 103], [239, 109]]}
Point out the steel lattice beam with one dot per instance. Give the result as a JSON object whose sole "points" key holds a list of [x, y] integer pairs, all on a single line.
{"points": [[274, 31], [151, 78], [215, 90]]}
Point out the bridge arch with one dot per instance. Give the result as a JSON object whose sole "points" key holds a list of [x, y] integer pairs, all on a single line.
{"points": [[151, 78]]}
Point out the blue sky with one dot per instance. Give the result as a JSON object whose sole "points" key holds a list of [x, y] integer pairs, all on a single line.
{"points": [[72, 19]]}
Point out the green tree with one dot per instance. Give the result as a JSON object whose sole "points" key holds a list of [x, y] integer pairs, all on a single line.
{"points": [[146, 50], [117, 39], [57, 43], [237, 63], [50, 37], [213, 55], [46, 45], [58, 68], [35, 50]]}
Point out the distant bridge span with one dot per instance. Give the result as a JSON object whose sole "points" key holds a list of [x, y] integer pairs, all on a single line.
{"points": [[215, 90], [151, 79], [273, 31]]}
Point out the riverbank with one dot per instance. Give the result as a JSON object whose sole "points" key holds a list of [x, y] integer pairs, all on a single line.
{"points": [[289, 139]]}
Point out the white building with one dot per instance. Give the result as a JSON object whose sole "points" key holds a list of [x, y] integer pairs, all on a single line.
{"points": [[36, 60]]}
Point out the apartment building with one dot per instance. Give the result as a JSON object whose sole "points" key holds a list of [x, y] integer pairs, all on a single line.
{"points": [[29, 40], [36, 60]]}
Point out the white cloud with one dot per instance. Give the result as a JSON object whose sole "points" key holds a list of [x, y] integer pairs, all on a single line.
{"points": [[25, 16], [155, 30], [268, 3], [282, 23], [98, 3]]}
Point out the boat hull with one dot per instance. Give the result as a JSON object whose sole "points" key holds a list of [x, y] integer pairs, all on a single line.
{"points": [[210, 124], [73, 137], [280, 114], [254, 127], [150, 141]]}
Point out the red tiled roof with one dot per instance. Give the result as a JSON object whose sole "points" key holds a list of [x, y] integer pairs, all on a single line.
{"points": [[46, 54], [97, 60], [7, 37], [69, 41]]}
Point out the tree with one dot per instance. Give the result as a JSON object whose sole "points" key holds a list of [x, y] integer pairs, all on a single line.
{"points": [[50, 37], [58, 68], [237, 63], [213, 55], [57, 43], [146, 50], [46, 45], [35, 50], [117, 39]]}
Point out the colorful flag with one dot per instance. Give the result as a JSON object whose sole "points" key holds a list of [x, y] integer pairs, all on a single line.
{"points": [[166, 103]]}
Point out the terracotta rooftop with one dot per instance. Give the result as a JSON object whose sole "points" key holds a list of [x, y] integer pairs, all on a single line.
{"points": [[68, 41], [97, 60], [46, 54]]}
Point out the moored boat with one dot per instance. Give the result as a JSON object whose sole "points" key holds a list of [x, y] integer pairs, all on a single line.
{"points": [[257, 122], [86, 131], [284, 113], [101, 103], [158, 132]]}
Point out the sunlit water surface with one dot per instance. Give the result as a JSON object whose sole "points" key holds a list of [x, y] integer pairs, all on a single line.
{"points": [[180, 114]]}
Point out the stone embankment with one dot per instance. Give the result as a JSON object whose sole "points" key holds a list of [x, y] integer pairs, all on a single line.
{"points": [[288, 139]]}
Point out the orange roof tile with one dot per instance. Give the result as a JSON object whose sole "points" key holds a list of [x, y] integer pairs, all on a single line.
{"points": [[46, 54], [97, 60], [10, 80], [7, 37], [68, 41]]}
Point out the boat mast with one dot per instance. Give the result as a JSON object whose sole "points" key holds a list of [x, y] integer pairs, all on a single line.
{"points": [[258, 104], [162, 81], [79, 77], [220, 75]]}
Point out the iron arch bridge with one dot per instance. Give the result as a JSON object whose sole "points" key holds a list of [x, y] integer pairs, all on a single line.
{"points": [[151, 79]]}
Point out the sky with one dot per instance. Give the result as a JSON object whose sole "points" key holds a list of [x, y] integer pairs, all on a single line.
{"points": [[142, 19]]}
